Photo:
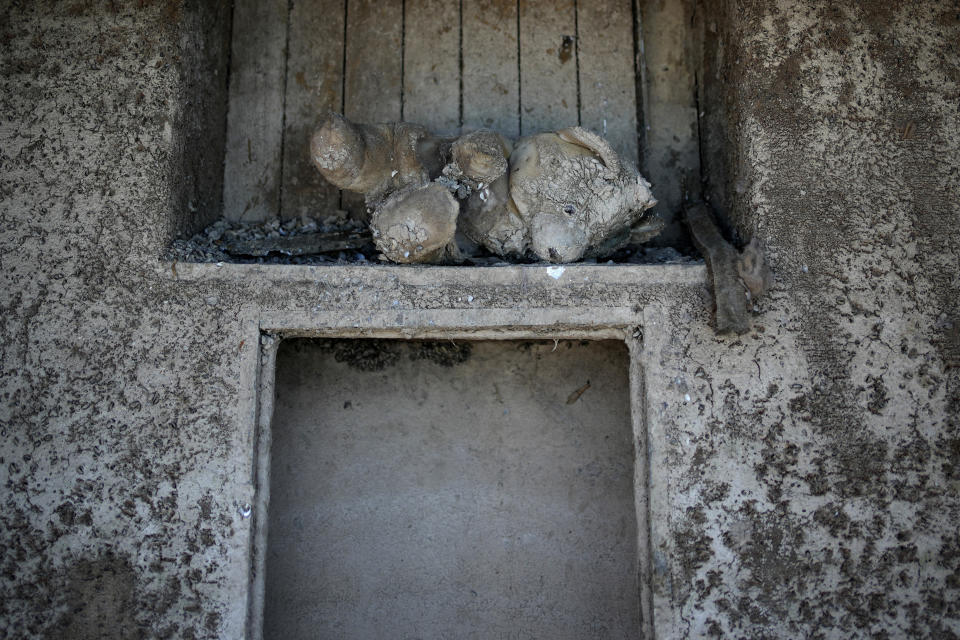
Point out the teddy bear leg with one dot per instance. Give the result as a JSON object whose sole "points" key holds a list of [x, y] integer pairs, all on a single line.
{"points": [[490, 219], [351, 156], [478, 158], [416, 224]]}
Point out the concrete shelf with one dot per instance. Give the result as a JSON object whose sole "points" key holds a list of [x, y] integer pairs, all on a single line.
{"points": [[417, 300]]}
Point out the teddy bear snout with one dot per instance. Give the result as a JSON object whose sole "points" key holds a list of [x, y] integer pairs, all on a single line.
{"points": [[557, 239]]}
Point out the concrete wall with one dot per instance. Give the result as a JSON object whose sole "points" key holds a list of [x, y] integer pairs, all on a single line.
{"points": [[117, 458], [804, 477], [813, 477]]}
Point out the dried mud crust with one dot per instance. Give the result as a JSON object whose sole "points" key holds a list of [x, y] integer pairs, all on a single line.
{"points": [[378, 355], [217, 243], [373, 355]]}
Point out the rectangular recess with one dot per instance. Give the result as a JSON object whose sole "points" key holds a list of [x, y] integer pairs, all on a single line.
{"points": [[630, 70], [453, 489]]}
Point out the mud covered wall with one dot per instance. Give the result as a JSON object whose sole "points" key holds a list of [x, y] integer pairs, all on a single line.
{"points": [[809, 471], [805, 476], [116, 460]]}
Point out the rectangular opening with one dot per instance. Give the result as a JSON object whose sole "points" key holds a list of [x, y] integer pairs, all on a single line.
{"points": [[451, 489], [518, 67], [621, 68]]}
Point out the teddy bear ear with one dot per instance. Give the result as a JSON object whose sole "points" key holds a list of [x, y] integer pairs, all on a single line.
{"points": [[593, 142]]}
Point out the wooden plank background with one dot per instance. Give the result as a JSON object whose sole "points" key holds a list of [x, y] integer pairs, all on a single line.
{"points": [[314, 85], [252, 160], [491, 68], [548, 65], [608, 86], [431, 65], [516, 66]]}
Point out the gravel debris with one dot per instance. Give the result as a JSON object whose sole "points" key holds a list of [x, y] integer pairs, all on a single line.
{"points": [[213, 245]]}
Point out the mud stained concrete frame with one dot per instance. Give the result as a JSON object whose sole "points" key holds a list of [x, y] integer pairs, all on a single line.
{"points": [[637, 304]]}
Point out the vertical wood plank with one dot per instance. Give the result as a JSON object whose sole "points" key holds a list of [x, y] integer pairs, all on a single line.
{"points": [[548, 65], [491, 81], [373, 81], [431, 65], [314, 86], [672, 148], [374, 55], [251, 180], [608, 98]]}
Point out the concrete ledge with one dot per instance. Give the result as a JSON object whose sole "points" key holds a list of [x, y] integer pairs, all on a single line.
{"points": [[594, 323], [424, 275], [403, 301]]}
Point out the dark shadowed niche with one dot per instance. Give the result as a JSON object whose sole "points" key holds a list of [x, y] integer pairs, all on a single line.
{"points": [[452, 489]]}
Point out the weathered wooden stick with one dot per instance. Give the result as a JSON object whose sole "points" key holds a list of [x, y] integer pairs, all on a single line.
{"points": [[729, 292], [300, 245]]}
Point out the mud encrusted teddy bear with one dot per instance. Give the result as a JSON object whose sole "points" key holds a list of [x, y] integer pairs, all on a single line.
{"points": [[561, 196]]}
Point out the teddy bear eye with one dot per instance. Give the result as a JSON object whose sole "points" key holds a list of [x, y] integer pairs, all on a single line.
{"points": [[569, 209]]}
